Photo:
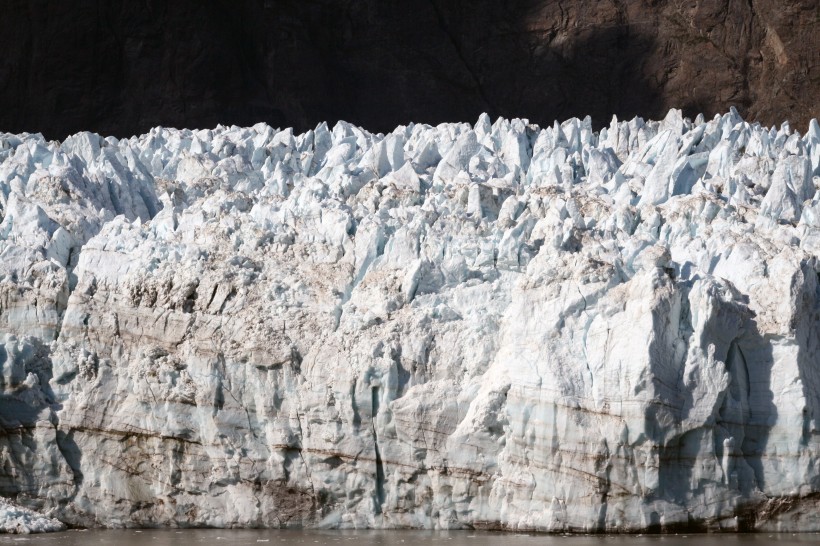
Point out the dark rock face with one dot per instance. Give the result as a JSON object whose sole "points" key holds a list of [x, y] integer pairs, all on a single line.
{"points": [[122, 67]]}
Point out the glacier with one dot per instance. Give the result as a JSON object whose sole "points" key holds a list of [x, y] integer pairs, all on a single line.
{"points": [[488, 326]]}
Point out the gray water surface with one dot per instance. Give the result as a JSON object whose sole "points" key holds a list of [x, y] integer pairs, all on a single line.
{"points": [[170, 537]]}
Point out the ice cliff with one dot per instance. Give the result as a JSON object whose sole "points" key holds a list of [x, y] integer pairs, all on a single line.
{"points": [[488, 326]]}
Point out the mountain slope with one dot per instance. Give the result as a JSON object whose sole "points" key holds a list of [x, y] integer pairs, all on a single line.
{"points": [[123, 67]]}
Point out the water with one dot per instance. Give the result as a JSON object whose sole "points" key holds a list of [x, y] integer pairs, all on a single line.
{"points": [[393, 538]]}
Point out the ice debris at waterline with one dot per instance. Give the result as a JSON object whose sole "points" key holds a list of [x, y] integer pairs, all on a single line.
{"points": [[498, 326], [15, 519]]}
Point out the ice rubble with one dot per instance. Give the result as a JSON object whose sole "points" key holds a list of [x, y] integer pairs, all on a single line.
{"points": [[15, 519], [489, 326]]}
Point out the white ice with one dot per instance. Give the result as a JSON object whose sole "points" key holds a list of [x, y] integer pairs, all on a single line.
{"points": [[488, 326]]}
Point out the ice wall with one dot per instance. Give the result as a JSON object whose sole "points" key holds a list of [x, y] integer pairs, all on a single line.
{"points": [[488, 326]]}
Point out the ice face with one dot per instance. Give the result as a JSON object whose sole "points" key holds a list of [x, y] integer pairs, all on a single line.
{"points": [[489, 326]]}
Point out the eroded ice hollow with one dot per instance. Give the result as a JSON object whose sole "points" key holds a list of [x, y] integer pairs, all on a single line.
{"points": [[488, 326]]}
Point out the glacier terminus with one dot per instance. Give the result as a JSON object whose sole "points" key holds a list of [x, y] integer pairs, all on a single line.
{"points": [[488, 326]]}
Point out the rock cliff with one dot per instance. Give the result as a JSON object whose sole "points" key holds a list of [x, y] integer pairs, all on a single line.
{"points": [[120, 68], [489, 326]]}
